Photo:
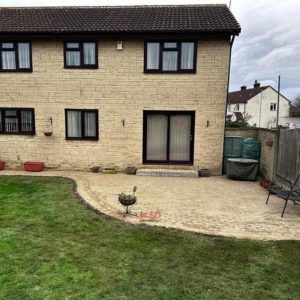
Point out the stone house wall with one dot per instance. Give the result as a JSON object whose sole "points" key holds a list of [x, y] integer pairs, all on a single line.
{"points": [[119, 89]]}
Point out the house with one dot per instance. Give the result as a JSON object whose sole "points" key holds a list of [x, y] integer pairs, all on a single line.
{"points": [[259, 104], [135, 85]]}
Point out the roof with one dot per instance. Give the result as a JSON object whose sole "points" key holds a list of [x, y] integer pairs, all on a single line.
{"points": [[118, 19], [242, 96]]}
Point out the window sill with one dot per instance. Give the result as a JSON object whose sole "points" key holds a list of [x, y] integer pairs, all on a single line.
{"points": [[16, 71], [82, 139], [163, 162], [80, 67], [169, 72], [18, 133]]}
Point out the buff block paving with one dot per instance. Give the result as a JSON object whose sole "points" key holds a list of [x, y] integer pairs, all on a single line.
{"points": [[211, 205]]}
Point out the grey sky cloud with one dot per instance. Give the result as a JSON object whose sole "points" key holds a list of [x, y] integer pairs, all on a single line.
{"points": [[269, 44]]}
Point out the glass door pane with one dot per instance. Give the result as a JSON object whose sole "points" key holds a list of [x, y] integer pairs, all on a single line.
{"points": [[157, 131], [180, 137]]}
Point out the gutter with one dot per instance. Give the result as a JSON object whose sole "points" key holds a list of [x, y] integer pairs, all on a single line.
{"points": [[113, 34], [229, 67]]}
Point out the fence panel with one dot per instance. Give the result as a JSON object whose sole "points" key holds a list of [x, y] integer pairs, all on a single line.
{"points": [[288, 164]]}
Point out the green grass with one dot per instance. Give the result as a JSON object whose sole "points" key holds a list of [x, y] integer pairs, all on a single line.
{"points": [[52, 247]]}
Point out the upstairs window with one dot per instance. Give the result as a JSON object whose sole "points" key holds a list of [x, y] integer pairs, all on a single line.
{"points": [[237, 107], [170, 57], [15, 56], [81, 55], [17, 121], [81, 124], [273, 106]]}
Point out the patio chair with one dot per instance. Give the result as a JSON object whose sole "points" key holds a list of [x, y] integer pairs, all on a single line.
{"points": [[293, 194]]}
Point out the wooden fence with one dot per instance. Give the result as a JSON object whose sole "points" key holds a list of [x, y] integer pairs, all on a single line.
{"points": [[288, 164]]}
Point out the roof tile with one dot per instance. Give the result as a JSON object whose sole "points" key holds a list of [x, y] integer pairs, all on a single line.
{"points": [[118, 19], [242, 96]]}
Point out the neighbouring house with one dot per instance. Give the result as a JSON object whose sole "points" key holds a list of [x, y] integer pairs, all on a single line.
{"points": [[135, 85], [259, 104]]}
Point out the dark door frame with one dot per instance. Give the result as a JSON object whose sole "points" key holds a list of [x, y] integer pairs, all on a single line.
{"points": [[168, 113]]}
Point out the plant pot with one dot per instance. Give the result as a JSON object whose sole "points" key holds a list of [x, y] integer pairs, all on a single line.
{"points": [[95, 169], [265, 183], [131, 170], [2, 165], [33, 166], [127, 202], [204, 172], [109, 170], [48, 133]]}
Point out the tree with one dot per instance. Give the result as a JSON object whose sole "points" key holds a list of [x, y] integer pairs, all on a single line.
{"points": [[241, 121], [295, 107]]}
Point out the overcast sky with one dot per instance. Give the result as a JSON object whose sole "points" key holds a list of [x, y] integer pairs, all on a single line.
{"points": [[269, 44]]}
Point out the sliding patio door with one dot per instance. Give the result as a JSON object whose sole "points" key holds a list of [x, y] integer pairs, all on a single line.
{"points": [[168, 137]]}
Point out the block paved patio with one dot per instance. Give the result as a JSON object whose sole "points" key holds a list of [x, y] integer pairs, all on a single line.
{"points": [[214, 205]]}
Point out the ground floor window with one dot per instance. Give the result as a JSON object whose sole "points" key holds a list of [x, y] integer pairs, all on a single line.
{"points": [[81, 124], [17, 121]]}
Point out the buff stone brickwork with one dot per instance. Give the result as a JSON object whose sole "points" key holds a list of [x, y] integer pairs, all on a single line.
{"points": [[119, 89]]}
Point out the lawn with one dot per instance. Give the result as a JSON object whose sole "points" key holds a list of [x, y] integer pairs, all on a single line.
{"points": [[52, 247]]}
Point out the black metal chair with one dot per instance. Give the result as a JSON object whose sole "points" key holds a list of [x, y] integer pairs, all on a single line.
{"points": [[293, 194]]}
